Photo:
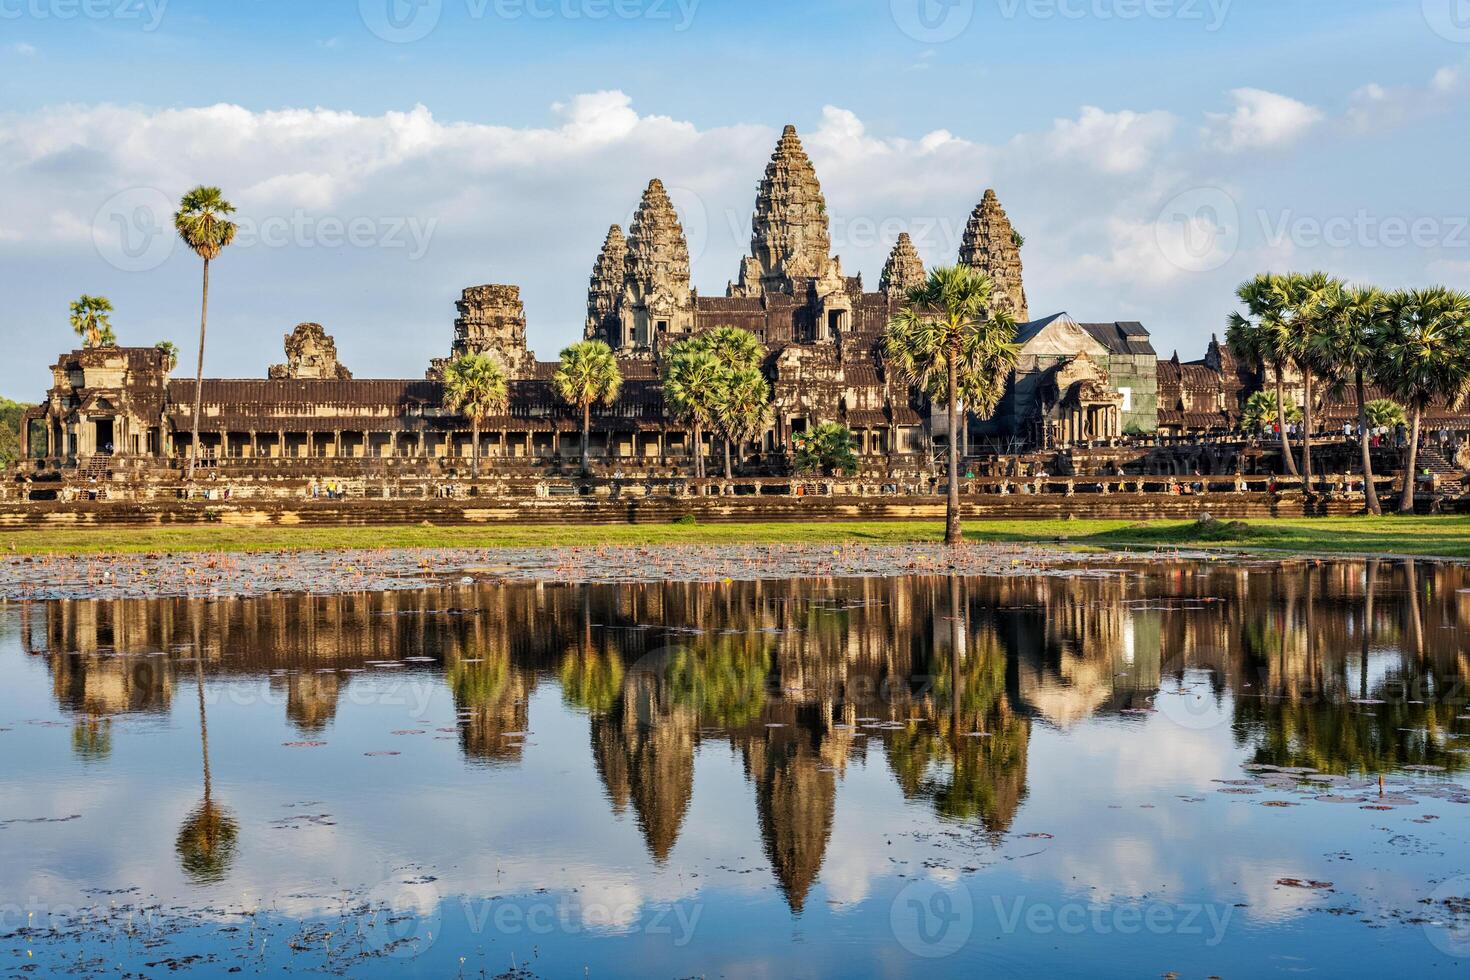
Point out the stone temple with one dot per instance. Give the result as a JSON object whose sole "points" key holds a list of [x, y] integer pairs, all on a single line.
{"points": [[1078, 383]]}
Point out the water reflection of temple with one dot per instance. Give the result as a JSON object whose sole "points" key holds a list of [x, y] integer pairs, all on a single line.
{"points": [[800, 678]]}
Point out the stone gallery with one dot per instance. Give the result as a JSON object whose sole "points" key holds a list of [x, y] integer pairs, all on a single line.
{"points": [[117, 410]]}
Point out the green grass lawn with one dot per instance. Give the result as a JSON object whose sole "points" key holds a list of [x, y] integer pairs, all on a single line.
{"points": [[1437, 536]]}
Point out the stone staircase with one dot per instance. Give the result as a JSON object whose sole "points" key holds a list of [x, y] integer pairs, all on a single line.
{"points": [[94, 467], [1448, 477]]}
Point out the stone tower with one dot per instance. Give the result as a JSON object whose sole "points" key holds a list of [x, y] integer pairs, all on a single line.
{"points": [[606, 289], [311, 353], [990, 246], [904, 269], [657, 301], [790, 238], [492, 320]]}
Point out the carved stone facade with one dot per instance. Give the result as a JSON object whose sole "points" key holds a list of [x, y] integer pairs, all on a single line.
{"points": [[311, 354], [492, 320], [992, 246]]}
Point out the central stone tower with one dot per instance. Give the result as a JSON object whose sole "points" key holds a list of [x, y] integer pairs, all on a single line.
{"points": [[790, 237]]}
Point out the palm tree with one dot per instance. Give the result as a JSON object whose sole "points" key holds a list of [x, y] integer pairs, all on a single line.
{"points": [[475, 386], [1259, 337], [733, 347], [1310, 300], [90, 318], [744, 412], [170, 355], [694, 383], [203, 224], [739, 351], [1260, 412], [1352, 340], [1426, 357], [949, 343], [588, 374], [1385, 413]]}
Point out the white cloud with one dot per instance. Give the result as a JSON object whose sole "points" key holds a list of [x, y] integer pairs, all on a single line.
{"points": [[530, 205], [1260, 120], [1374, 108], [1113, 142], [22, 49]]}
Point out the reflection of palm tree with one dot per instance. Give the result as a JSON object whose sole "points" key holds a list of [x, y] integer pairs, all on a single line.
{"points": [[723, 679], [967, 776], [1416, 624], [490, 695], [91, 738], [206, 843], [591, 680]]}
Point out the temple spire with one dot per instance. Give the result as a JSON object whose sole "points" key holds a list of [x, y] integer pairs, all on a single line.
{"points": [[657, 299], [790, 238], [992, 246], [606, 288], [904, 269]]}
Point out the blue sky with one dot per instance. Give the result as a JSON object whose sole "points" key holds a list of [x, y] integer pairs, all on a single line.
{"points": [[501, 144]]}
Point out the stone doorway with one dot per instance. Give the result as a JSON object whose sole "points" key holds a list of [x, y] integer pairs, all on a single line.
{"points": [[104, 432]]}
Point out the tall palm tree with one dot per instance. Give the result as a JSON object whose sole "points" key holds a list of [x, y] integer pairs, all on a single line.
{"points": [[744, 412], [1426, 357], [202, 222], [476, 387], [735, 348], [739, 351], [91, 319], [1310, 299], [1352, 339], [947, 341], [694, 383], [1259, 336], [588, 374]]}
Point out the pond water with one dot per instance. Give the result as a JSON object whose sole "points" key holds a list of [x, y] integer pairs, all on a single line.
{"points": [[1180, 767]]}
